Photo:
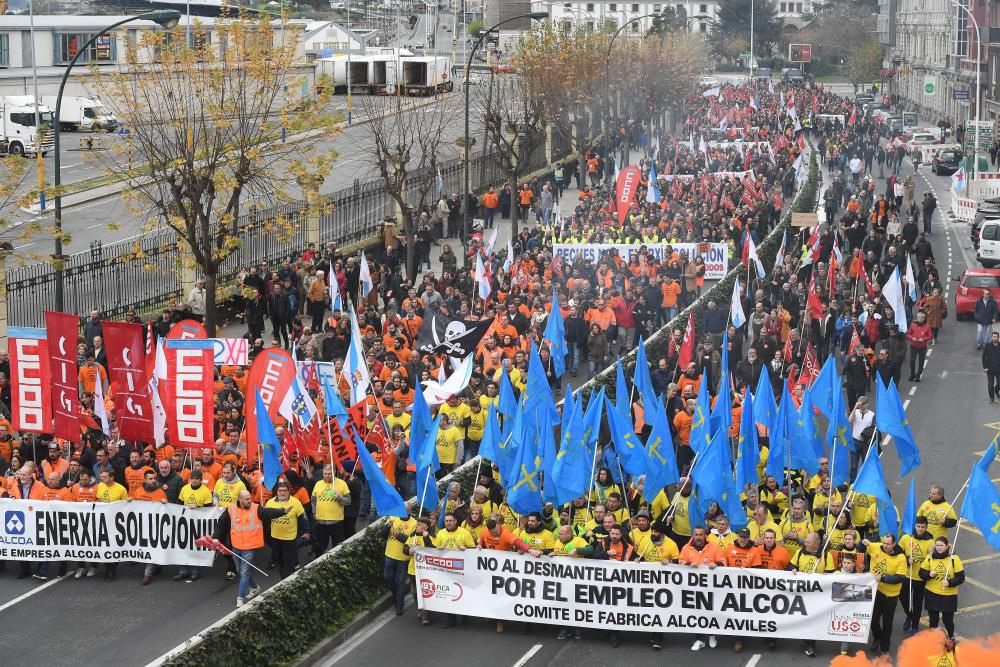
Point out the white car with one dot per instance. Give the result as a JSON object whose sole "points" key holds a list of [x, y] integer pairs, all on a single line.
{"points": [[708, 82], [921, 139]]}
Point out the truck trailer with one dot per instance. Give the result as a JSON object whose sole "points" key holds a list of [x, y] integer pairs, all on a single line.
{"points": [[18, 132], [82, 113]]}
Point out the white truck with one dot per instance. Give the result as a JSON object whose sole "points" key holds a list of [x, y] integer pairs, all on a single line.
{"points": [[18, 133], [82, 113], [426, 75]]}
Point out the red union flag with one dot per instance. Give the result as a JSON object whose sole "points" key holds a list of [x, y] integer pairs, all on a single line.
{"points": [[686, 353], [31, 384], [272, 373], [62, 330], [189, 392], [625, 189], [810, 366], [129, 383]]}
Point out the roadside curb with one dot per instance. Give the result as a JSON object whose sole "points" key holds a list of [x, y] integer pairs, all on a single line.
{"points": [[322, 649]]}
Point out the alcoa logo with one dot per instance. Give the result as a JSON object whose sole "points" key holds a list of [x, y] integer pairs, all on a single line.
{"points": [[13, 522]]}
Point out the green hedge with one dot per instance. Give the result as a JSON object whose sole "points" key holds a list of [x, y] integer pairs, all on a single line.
{"points": [[296, 614], [325, 595]]}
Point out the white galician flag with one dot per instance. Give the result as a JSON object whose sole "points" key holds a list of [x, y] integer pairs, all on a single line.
{"points": [[736, 314], [159, 413], [100, 409], [893, 294]]}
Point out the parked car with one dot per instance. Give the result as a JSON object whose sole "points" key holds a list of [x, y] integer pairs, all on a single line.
{"points": [[946, 163], [970, 289], [708, 82], [988, 209], [763, 73], [918, 139], [988, 252]]}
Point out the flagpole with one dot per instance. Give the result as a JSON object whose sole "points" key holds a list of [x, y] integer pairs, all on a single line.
{"points": [[593, 477], [677, 493], [624, 487], [420, 510]]}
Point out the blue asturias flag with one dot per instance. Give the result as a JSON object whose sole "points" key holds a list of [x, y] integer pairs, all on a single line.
{"points": [[592, 421], [777, 455], [731, 505], [507, 402], [571, 472], [427, 463], [890, 418], [748, 449], [555, 333], [805, 447], [547, 451], [270, 448], [420, 421], [331, 401], [982, 501], [622, 402], [640, 378], [537, 393], [701, 428], [524, 495], [910, 511], [510, 439], [631, 453], [710, 471], [825, 387], [722, 411], [871, 481], [489, 446], [765, 409], [839, 433], [659, 452], [387, 500]]}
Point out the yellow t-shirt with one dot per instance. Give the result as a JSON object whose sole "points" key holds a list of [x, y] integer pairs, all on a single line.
{"points": [[412, 541], [808, 563], [723, 541], [109, 493], [454, 539], [860, 503], [883, 563], [227, 492], [456, 415], [656, 553], [286, 527], [477, 425], [393, 547], [402, 420], [819, 521], [757, 530], [940, 568], [936, 514], [447, 444], [192, 497], [508, 515], [660, 504], [542, 540], [681, 523], [921, 547], [568, 549], [324, 497], [638, 537], [800, 528], [475, 531]]}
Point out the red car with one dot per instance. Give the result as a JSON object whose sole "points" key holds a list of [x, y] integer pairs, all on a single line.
{"points": [[970, 289]]}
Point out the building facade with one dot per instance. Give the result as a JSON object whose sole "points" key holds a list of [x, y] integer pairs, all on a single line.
{"points": [[700, 15], [931, 56]]}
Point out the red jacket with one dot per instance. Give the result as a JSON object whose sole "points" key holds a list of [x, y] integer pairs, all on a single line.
{"points": [[919, 335]]}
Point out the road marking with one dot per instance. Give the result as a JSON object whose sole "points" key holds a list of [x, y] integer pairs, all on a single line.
{"points": [[754, 659], [527, 656], [27, 595], [930, 352], [944, 374], [347, 647], [913, 390], [906, 403], [985, 587], [980, 559]]}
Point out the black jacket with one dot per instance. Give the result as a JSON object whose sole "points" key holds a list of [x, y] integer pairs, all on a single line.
{"points": [[991, 357]]}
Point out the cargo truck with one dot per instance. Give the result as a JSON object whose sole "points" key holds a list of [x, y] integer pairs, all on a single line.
{"points": [[82, 113], [426, 75], [18, 133]]}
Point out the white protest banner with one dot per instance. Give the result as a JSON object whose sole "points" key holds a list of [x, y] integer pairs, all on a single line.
{"points": [[226, 351], [611, 595], [140, 531], [713, 174], [716, 255]]}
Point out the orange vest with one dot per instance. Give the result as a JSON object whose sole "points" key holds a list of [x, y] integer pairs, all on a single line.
{"points": [[245, 528]]}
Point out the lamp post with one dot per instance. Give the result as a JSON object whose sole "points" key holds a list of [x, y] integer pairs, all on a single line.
{"points": [[465, 82], [979, 66], [167, 18], [607, 68]]}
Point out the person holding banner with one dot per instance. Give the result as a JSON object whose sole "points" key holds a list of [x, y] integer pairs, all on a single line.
{"points": [[917, 547], [942, 573], [241, 529], [330, 496], [888, 563], [397, 532], [699, 552]]}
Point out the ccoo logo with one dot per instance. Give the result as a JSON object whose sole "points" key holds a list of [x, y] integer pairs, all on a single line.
{"points": [[13, 522]]}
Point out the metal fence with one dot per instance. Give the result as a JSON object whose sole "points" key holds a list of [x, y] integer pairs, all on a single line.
{"points": [[144, 272]]}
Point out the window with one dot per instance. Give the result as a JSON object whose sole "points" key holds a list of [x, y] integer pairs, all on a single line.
{"points": [[590, 6], [991, 232], [961, 30], [634, 27], [703, 27], [982, 282], [635, 7], [4, 50], [656, 9], [702, 9], [613, 7], [783, 7], [798, 7], [67, 45]]}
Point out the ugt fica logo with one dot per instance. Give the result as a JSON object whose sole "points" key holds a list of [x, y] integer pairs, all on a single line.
{"points": [[13, 522]]}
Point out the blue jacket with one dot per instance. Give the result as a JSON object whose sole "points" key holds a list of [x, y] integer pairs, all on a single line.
{"points": [[986, 311]]}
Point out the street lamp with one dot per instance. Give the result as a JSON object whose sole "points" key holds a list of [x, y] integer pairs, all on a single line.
{"points": [[167, 18], [607, 68], [979, 66], [465, 139]]}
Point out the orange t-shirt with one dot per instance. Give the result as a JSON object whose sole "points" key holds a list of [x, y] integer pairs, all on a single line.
{"points": [[88, 377], [154, 496], [737, 556], [710, 554], [57, 494], [776, 559], [670, 292], [133, 477], [682, 422], [84, 494], [491, 200], [504, 542], [525, 197]]}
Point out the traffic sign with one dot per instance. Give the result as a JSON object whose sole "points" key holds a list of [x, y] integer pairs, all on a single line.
{"points": [[960, 94], [800, 53], [930, 85]]}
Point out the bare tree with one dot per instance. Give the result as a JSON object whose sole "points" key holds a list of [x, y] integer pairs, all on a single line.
{"points": [[407, 148], [211, 127]]}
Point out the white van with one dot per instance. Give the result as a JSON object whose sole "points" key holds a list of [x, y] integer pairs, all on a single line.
{"points": [[988, 253]]}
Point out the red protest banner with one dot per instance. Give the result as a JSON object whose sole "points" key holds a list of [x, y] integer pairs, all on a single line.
{"points": [[31, 382], [271, 373], [130, 385], [189, 392], [61, 329]]}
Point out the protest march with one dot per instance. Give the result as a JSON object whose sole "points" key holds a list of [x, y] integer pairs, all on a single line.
{"points": [[723, 486]]}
